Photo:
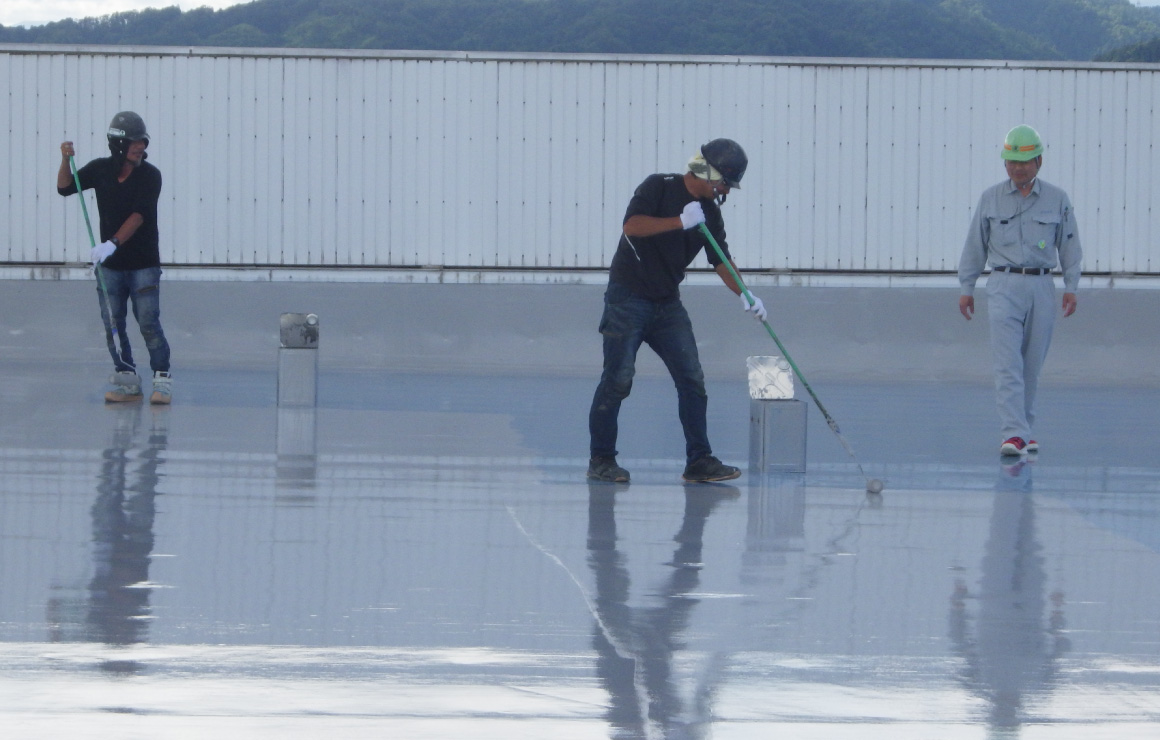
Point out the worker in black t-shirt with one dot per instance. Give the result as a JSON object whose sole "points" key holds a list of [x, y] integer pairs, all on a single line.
{"points": [[643, 303], [127, 262]]}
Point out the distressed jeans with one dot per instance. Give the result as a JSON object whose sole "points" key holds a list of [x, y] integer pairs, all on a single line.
{"points": [[629, 321], [143, 289]]}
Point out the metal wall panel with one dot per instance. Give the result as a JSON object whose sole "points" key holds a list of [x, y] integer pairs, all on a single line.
{"points": [[355, 159], [1142, 180]]}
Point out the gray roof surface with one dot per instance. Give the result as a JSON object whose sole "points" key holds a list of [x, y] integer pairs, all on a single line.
{"points": [[420, 555]]}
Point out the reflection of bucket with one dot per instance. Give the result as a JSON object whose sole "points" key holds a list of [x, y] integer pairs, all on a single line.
{"points": [[770, 377]]}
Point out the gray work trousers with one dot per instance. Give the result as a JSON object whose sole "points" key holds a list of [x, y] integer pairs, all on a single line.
{"points": [[1021, 309]]}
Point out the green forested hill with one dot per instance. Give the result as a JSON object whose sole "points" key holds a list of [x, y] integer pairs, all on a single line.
{"points": [[1145, 51], [938, 29]]}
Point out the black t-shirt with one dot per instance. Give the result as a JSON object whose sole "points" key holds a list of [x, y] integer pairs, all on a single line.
{"points": [[653, 267], [116, 201]]}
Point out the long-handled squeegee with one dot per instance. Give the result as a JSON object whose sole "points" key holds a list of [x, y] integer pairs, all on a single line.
{"points": [[873, 485]]}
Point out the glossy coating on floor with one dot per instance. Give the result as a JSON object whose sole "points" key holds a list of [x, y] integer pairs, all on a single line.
{"points": [[421, 556]]}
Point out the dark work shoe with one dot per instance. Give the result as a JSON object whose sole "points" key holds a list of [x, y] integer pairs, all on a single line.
{"points": [[606, 469], [708, 469]]}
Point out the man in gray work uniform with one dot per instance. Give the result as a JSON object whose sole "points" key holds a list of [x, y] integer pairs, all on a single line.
{"points": [[1022, 227]]}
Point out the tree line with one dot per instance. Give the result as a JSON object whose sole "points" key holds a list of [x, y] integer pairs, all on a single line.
{"points": [[920, 29]]}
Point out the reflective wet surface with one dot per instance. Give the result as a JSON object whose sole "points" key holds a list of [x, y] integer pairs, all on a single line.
{"points": [[420, 556]]}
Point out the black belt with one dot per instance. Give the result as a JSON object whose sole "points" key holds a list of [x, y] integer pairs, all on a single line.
{"points": [[1022, 270]]}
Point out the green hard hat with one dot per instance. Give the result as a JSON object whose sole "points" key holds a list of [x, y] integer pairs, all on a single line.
{"points": [[1022, 144]]}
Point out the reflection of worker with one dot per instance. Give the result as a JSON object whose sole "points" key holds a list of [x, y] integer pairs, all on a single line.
{"points": [[127, 261], [1023, 227], [123, 517], [659, 240], [1010, 638], [637, 646]]}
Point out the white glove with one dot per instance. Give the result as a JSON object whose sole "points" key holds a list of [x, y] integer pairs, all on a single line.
{"points": [[101, 252], [692, 215], [757, 309]]}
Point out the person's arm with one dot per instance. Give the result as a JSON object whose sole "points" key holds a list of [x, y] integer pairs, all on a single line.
{"points": [[723, 273], [721, 263], [973, 260], [751, 303], [1070, 257], [129, 228], [641, 225], [64, 177], [645, 201], [145, 202]]}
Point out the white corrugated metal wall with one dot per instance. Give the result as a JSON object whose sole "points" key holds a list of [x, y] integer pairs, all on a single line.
{"points": [[385, 159]]}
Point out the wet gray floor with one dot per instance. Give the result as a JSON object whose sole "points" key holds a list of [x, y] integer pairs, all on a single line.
{"points": [[420, 556]]}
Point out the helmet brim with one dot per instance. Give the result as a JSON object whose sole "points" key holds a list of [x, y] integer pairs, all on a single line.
{"points": [[1018, 156], [728, 158]]}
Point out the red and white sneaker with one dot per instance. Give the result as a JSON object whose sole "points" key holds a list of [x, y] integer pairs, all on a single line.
{"points": [[1013, 446], [1032, 446]]}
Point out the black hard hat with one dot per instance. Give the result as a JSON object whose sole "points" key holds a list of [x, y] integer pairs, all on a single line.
{"points": [[727, 157], [128, 125], [125, 128]]}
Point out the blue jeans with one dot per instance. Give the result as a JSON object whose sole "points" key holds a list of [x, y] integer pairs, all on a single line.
{"points": [[143, 287], [629, 321]]}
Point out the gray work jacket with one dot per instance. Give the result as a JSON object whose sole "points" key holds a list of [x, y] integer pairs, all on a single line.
{"points": [[1008, 229]]}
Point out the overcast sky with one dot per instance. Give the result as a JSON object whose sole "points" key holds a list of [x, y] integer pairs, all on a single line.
{"points": [[25, 12]]}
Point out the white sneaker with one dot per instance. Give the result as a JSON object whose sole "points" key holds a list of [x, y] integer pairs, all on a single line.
{"points": [[1013, 446], [162, 388], [128, 388]]}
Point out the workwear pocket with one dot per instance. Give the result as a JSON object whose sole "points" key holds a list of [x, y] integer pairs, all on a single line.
{"points": [[1004, 233], [1046, 231]]}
